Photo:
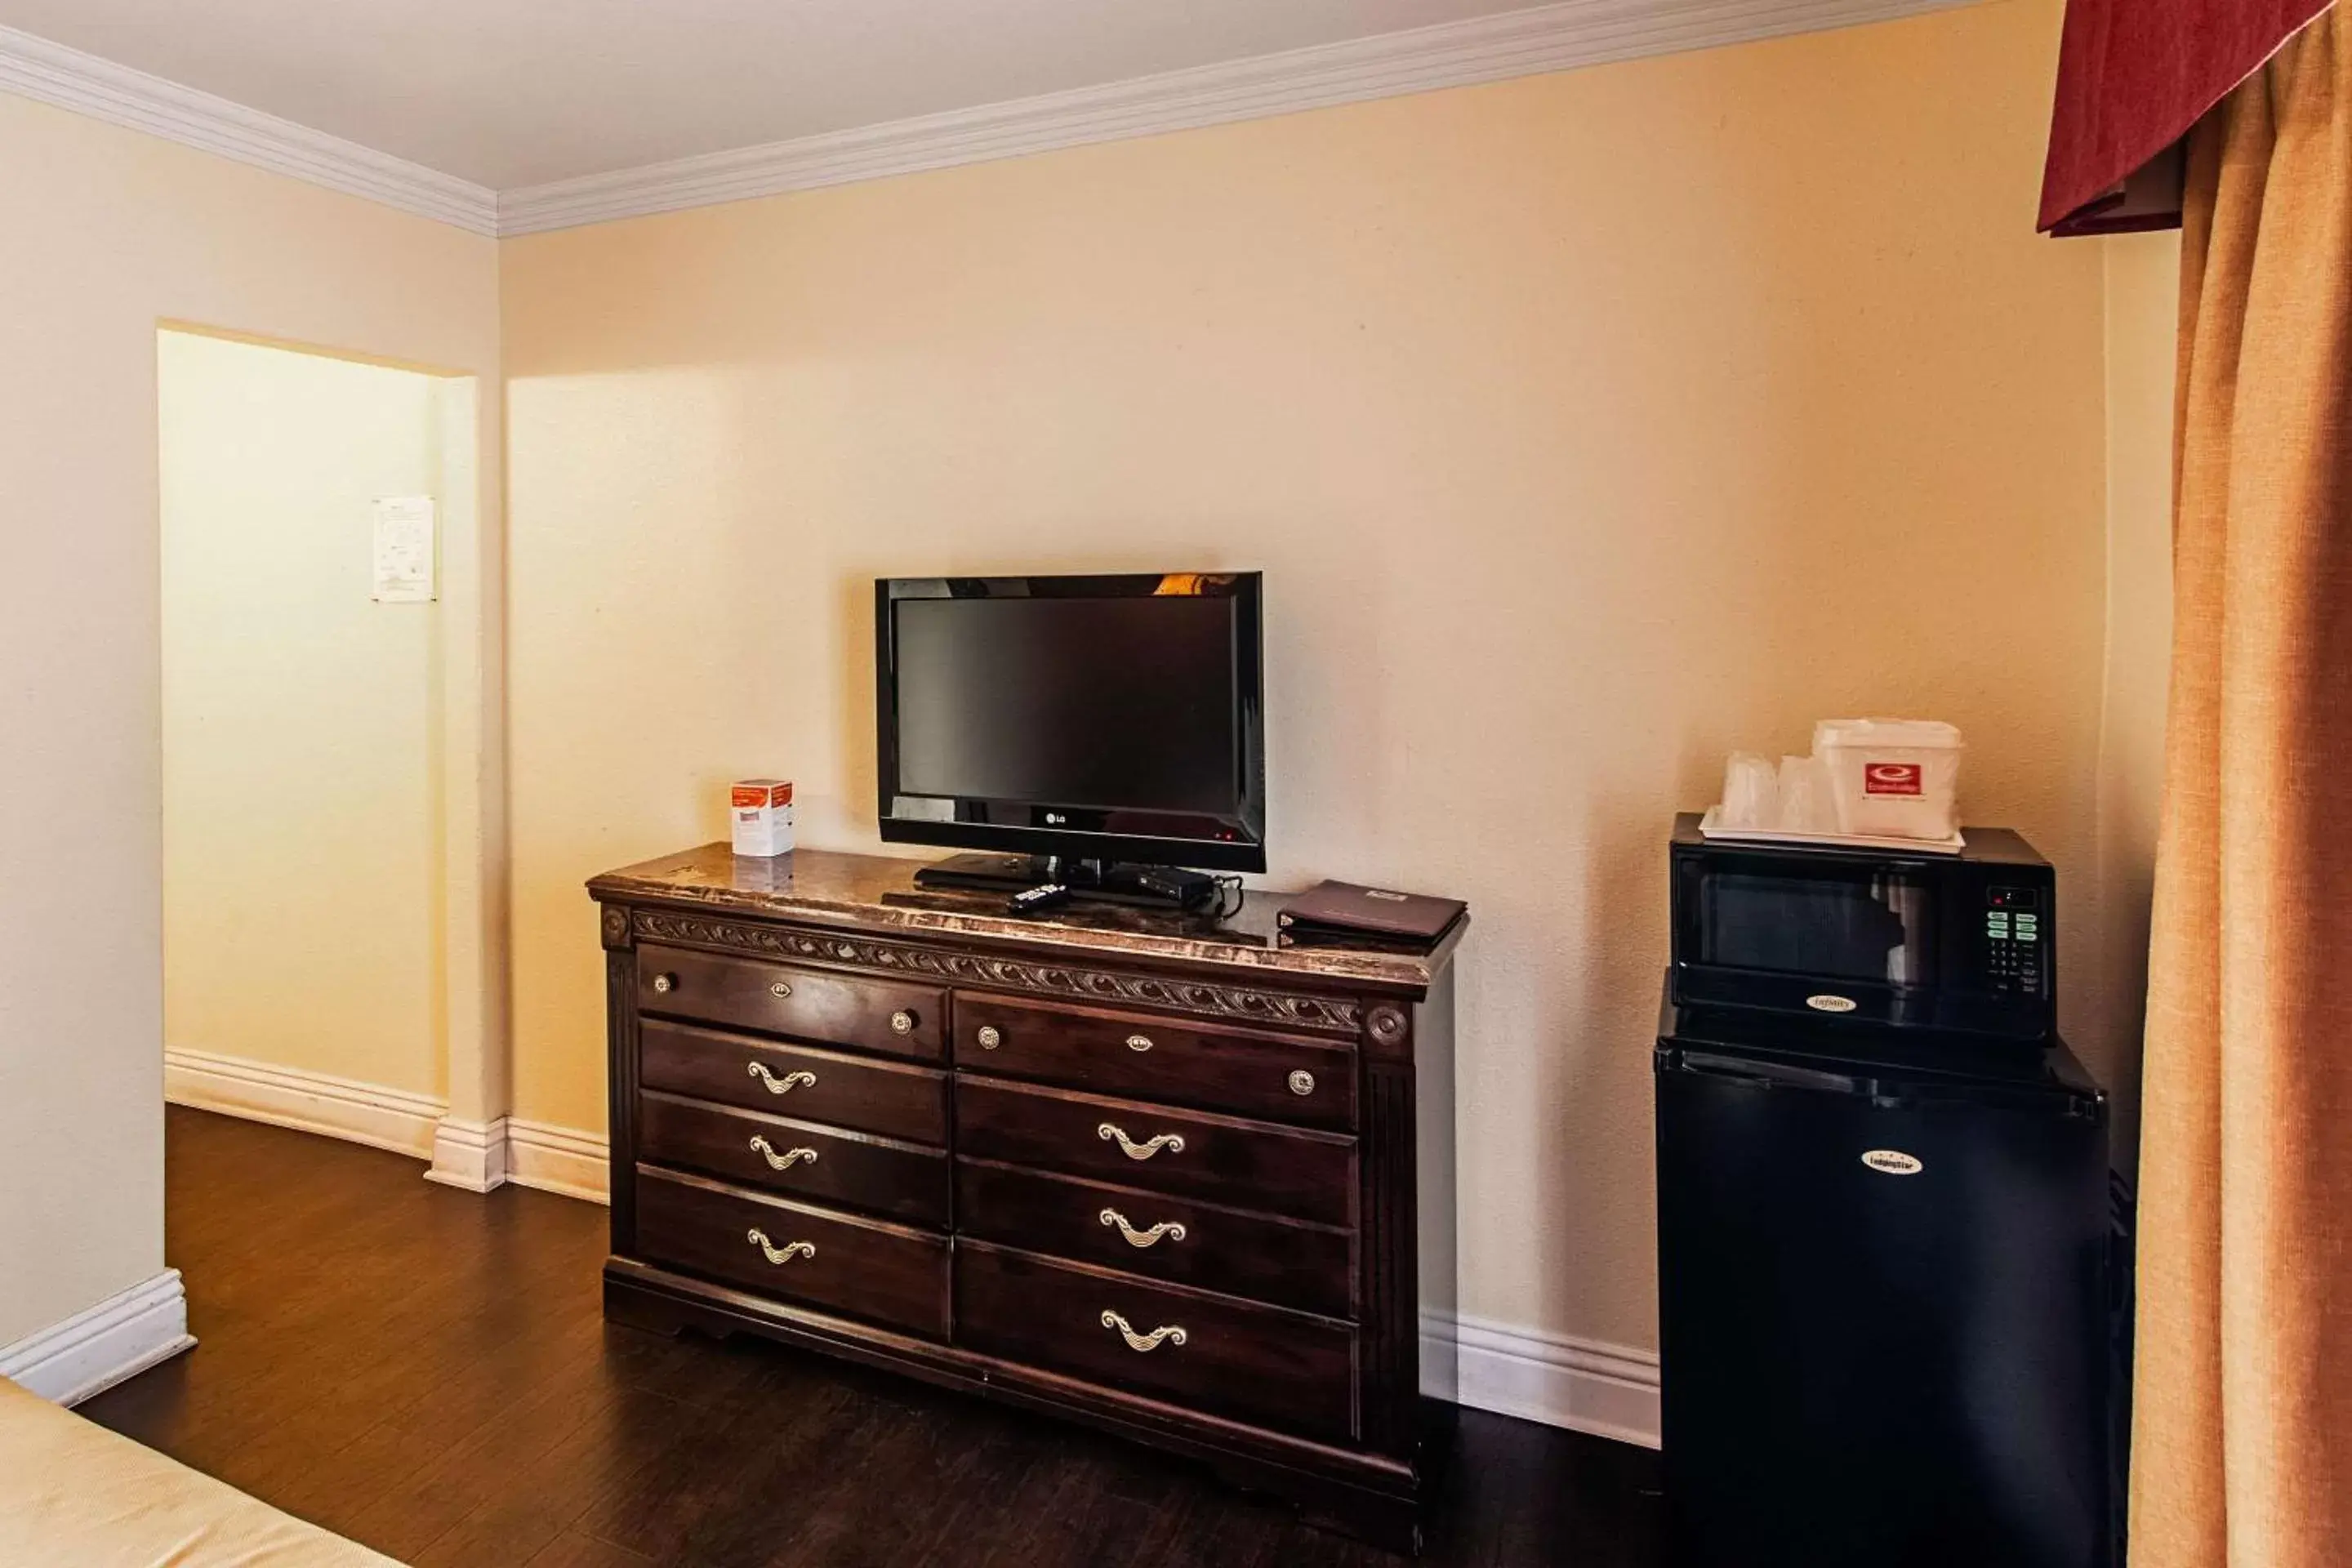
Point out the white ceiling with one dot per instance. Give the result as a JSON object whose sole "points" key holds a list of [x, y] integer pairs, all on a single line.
{"points": [[509, 93]]}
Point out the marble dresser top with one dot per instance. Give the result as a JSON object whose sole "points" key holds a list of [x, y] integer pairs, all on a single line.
{"points": [[877, 893]]}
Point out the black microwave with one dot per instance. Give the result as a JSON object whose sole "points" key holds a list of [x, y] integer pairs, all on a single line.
{"points": [[1962, 943]]}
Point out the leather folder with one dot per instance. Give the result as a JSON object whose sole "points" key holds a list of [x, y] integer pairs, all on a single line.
{"points": [[1344, 909]]}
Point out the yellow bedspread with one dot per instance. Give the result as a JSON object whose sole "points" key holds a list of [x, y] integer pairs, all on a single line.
{"points": [[75, 1495]]}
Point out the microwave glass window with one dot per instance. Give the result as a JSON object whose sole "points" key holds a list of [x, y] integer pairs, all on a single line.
{"points": [[1855, 929]]}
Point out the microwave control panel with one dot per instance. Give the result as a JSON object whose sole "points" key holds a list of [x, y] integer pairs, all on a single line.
{"points": [[2014, 939]]}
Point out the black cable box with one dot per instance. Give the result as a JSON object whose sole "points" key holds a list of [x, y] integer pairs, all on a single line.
{"points": [[1150, 887]]}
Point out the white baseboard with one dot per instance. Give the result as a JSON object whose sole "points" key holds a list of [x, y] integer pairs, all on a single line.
{"points": [[97, 1347], [310, 1101], [558, 1160], [475, 1155], [470, 1154], [1610, 1391], [1586, 1385]]}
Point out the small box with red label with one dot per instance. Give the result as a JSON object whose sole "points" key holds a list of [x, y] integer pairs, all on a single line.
{"points": [[1890, 778], [761, 810]]}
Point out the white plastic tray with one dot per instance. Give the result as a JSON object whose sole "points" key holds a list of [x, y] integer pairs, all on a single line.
{"points": [[1707, 829]]}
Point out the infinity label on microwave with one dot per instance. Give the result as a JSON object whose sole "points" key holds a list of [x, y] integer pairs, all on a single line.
{"points": [[1829, 1004]]}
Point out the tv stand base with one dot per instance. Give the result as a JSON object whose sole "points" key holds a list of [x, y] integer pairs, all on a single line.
{"points": [[1103, 881]]}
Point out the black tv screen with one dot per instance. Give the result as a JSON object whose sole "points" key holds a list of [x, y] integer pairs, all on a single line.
{"points": [[1114, 718]]}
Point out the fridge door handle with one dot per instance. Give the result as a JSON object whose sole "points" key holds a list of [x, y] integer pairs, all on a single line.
{"points": [[1983, 1097], [1752, 1073], [1764, 1075]]}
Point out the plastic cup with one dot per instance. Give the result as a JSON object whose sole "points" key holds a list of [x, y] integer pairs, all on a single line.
{"points": [[1751, 793]]}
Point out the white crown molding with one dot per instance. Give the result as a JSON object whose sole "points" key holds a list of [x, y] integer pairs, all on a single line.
{"points": [[308, 1101], [54, 74], [1586, 1385], [1453, 54], [99, 1346], [1559, 36]]}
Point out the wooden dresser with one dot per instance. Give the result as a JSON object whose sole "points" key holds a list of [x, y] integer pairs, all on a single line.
{"points": [[1147, 1172]]}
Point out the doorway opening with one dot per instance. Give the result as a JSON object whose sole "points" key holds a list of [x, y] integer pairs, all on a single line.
{"points": [[321, 739]]}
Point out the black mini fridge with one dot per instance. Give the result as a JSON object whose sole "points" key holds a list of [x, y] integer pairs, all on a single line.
{"points": [[1883, 1283]]}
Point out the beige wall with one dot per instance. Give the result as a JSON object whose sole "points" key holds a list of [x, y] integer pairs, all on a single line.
{"points": [[107, 232], [1587, 428], [301, 726], [2143, 279]]}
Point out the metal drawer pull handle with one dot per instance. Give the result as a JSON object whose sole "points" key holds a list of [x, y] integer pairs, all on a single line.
{"points": [[783, 1162], [783, 1085], [1302, 1082], [902, 1022], [1171, 1229], [1138, 1042], [781, 989], [990, 1037], [1171, 1141], [1135, 1341], [785, 1253], [665, 984]]}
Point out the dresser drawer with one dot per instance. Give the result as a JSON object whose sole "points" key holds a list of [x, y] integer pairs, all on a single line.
{"points": [[862, 1268], [904, 1181], [895, 1101], [1183, 1240], [1248, 1164], [1248, 1072], [1278, 1368], [806, 1004]]}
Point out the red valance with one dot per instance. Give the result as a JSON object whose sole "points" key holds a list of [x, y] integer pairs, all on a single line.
{"points": [[2135, 74]]}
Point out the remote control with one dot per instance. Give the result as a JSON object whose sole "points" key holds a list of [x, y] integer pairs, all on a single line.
{"points": [[1052, 895]]}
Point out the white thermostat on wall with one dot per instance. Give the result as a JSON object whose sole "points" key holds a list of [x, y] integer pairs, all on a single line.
{"points": [[404, 551]]}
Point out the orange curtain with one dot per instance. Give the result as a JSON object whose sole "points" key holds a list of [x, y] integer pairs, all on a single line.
{"points": [[2242, 1419]]}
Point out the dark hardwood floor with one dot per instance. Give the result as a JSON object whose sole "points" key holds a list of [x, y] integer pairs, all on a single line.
{"points": [[427, 1371]]}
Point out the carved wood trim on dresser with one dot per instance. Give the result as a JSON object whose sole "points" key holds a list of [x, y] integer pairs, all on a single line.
{"points": [[621, 1067], [1153, 1174], [1334, 1014]]}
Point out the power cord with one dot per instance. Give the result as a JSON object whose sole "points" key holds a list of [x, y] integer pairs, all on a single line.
{"points": [[1229, 887]]}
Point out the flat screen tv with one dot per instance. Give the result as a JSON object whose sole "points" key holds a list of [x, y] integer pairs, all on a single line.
{"points": [[1094, 720]]}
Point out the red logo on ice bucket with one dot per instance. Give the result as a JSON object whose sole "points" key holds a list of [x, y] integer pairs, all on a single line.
{"points": [[1890, 778]]}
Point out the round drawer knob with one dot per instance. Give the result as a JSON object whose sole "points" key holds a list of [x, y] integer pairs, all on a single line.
{"points": [[1138, 1042], [1302, 1082], [990, 1037], [902, 1022], [779, 990], [665, 984]]}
